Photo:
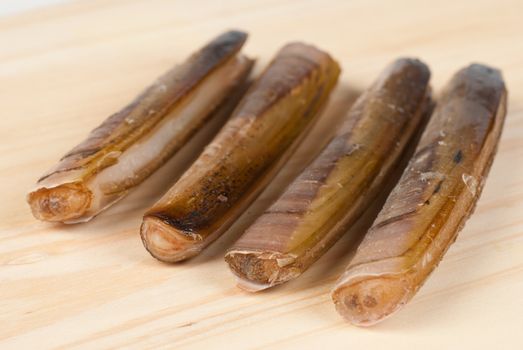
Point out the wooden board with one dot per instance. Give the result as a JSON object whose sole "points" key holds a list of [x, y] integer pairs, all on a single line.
{"points": [[63, 69]]}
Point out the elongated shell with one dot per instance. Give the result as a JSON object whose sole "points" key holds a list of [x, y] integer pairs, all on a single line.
{"points": [[131, 144], [266, 126], [431, 202], [332, 192]]}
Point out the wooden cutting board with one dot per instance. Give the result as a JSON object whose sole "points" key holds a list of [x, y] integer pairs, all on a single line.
{"points": [[63, 69]]}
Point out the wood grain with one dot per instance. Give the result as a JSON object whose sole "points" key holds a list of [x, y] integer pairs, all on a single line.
{"points": [[65, 68]]}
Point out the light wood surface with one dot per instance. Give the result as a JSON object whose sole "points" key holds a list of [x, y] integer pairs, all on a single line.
{"points": [[65, 68]]}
